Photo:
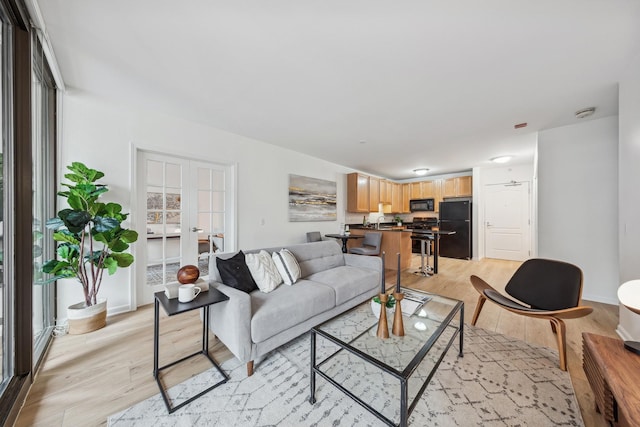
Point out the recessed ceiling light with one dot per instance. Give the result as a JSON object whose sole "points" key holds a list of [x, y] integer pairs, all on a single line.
{"points": [[501, 159], [421, 171], [585, 112]]}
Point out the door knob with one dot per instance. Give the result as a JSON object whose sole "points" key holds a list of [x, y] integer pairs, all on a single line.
{"points": [[488, 224], [195, 229]]}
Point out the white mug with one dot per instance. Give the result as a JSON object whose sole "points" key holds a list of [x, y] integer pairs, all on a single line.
{"points": [[187, 293], [171, 290]]}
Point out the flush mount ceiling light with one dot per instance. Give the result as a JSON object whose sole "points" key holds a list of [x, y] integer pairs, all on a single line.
{"points": [[501, 159], [585, 112], [421, 171]]}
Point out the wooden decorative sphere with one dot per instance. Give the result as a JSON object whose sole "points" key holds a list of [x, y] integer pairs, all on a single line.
{"points": [[188, 274]]}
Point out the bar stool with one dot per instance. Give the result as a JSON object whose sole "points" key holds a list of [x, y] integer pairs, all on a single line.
{"points": [[425, 270]]}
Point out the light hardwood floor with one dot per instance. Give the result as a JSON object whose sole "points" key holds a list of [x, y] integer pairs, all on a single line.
{"points": [[86, 378]]}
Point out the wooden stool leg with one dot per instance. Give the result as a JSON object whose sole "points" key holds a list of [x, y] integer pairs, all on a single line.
{"points": [[476, 313], [250, 368]]}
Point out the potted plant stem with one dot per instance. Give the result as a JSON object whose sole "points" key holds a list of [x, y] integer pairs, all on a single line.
{"points": [[90, 240]]}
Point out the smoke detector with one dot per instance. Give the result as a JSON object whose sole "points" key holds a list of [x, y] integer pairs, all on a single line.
{"points": [[585, 112]]}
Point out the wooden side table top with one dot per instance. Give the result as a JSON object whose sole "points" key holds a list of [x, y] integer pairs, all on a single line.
{"points": [[621, 369]]}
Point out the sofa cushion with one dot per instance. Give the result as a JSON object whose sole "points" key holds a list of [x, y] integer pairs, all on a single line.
{"points": [[288, 306], [235, 273], [287, 266], [347, 282], [315, 256], [263, 271]]}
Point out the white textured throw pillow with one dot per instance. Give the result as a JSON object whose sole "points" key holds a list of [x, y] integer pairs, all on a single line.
{"points": [[263, 270], [287, 266]]}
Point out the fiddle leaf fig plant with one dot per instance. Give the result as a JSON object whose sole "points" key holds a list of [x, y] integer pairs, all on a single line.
{"points": [[89, 234]]}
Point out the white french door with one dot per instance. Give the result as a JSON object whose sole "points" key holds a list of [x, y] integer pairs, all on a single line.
{"points": [[187, 209], [507, 221]]}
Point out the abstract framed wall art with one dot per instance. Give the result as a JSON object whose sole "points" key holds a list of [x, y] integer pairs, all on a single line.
{"points": [[311, 199]]}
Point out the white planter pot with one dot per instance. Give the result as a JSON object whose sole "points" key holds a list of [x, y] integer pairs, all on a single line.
{"points": [[375, 308], [83, 319]]}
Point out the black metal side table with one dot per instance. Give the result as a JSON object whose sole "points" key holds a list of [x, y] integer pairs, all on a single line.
{"points": [[172, 307]]}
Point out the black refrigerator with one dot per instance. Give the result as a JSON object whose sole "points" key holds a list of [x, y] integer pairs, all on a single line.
{"points": [[456, 216]]}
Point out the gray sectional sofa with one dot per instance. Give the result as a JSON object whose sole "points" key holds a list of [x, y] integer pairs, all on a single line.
{"points": [[251, 325]]}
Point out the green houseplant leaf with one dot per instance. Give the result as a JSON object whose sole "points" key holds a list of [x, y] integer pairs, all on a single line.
{"points": [[89, 233]]}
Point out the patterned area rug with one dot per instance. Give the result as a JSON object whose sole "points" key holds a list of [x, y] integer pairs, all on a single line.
{"points": [[500, 381]]}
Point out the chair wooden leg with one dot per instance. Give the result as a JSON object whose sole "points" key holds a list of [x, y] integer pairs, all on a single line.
{"points": [[250, 368], [562, 342], [553, 327], [476, 313]]}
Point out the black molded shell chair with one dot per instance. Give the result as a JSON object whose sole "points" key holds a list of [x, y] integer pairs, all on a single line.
{"points": [[370, 244], [549, 290]]}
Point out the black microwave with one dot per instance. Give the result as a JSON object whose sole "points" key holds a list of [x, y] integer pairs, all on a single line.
{"points": [[421, 205]]}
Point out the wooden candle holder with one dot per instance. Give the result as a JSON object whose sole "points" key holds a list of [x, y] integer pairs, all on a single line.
{"points": [[383, 328], [398, 325]]}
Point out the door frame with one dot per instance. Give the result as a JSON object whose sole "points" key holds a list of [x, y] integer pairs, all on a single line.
{"points": [[135, 277]]}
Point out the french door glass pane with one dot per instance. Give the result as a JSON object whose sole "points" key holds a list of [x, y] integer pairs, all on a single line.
{"points": [[210, 214], [164, 221]]}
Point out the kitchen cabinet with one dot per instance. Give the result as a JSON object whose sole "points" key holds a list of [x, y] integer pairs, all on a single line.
{"points": [[385, 192], [357, 192], [396, 197], [428, 189], [457, 187], [464, 186], [406, 196], [393, 242], [416, 190], [374, 194]]}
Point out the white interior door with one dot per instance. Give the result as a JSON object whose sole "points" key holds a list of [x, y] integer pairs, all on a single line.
{"points": [[187, 208], [507, 221]]}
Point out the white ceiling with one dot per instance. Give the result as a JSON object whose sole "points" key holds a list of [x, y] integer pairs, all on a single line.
{"points": [[423, 83]]}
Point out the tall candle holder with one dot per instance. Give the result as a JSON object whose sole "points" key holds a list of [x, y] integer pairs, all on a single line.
{"points": [[398, 325], [383, 327]]}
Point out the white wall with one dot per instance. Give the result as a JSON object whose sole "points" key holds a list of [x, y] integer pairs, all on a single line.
{"points": [[102, 134], [629, 194], [498, 175], [577, 202]]}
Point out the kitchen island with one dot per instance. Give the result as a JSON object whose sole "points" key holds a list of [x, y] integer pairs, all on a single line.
{"points": [[394, 240]]}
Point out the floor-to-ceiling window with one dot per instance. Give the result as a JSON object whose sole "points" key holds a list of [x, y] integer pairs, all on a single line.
{"points": [[27, 191], [3, 297], [43, 103]]}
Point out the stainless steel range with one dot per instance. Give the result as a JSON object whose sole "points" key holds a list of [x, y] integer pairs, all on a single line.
{"points": [[421, 224]]}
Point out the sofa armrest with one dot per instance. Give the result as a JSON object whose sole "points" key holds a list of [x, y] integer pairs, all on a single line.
{"points": [[230, 321], [363, 261]]}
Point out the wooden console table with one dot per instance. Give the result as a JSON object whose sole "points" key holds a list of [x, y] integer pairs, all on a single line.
{"points": [[614, 376]]}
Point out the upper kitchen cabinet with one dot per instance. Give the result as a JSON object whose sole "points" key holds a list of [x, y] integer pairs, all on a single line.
{"points": [[415, 190], [396, 197], [374, 193], [385, 192], [457, 187], [357, 192], [406, 196]]}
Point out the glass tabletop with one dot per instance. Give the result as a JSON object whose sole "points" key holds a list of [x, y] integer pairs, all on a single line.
{"points": [[431, 320]]}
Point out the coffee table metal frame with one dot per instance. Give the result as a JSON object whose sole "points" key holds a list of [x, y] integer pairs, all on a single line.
{"points": [[402, 376], [172, 307]]}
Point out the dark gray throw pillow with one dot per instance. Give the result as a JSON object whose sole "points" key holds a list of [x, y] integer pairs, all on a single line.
{"points": [[235, 273]]}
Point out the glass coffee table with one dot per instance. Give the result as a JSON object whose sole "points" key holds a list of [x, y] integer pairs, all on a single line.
{"points": [[386, 376]]}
